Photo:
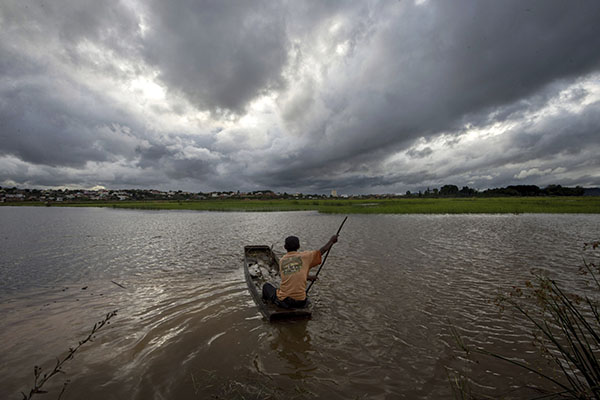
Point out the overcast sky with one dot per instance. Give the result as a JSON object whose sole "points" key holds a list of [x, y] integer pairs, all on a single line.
{"points": [[361, 97]]}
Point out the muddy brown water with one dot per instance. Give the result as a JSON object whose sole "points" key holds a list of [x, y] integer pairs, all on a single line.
{"points": [[188, 328]]}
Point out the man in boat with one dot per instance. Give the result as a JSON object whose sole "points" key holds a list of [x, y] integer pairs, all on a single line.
{"points": [[294, 269]]}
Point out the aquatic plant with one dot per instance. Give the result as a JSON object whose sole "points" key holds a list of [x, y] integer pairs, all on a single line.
{"points": [[565, 329], [40, 380]]}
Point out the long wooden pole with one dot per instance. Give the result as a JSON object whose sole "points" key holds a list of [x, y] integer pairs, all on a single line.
{"points": [[326, 255]]}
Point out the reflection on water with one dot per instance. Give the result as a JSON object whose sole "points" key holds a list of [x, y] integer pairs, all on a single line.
{"points": [[291, 342], [188, 328]]}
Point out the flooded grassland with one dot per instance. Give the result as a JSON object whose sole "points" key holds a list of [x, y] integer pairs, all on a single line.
{"points": [[409, 205]]}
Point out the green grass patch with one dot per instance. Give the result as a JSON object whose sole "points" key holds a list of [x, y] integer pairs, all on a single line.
{"points": [[476, 205]]}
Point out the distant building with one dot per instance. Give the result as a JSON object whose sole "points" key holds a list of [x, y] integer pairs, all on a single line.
{"points": [[334, 193]]}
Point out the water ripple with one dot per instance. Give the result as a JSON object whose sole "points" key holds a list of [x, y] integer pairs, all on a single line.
{"points": [[187, 326]]}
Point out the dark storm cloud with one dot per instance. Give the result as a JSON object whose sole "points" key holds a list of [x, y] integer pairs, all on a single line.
{"points": [[151, 155], [190, 168], [420, 153], [348, 87], [40, 126], [46, 116], [71, 21], [428, 66], [561, 142], [562, 134], [176, 162], [220, 54]]}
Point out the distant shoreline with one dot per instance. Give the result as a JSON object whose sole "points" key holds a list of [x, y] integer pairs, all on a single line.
{"points": [[470, 205]]}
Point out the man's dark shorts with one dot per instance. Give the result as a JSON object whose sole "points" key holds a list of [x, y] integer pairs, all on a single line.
{"points": [[269, 293]]}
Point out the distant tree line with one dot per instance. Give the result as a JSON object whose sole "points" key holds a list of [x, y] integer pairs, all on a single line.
{"points": [[512, 190]]}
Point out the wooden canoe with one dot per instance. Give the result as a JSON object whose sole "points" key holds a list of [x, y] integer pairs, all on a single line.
{"points": [[261, 265]]}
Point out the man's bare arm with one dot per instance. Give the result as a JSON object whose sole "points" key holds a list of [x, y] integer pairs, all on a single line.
{"points": [[328, 245]]}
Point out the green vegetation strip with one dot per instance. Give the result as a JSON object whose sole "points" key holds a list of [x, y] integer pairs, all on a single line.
{"points": [[497, 205]]}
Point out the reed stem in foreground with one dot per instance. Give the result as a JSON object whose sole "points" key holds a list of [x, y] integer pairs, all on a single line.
{"points": [[565, 328], [40, 380]]}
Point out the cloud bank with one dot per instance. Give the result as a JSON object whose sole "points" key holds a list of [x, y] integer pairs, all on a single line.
{"points": [[362, 97]]}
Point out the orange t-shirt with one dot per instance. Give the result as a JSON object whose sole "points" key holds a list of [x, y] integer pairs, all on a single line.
{"points": [[293, 268]]}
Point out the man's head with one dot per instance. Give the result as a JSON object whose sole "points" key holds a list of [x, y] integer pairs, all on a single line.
{"points": [[292, 243]]}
